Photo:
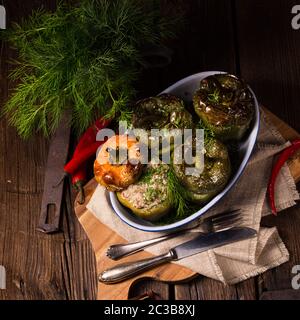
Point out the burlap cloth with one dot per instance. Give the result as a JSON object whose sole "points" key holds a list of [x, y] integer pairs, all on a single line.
{"points": [[238, 261]]}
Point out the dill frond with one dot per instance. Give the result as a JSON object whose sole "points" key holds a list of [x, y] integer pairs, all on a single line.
{"points": [[83, 58], [178, 196]]}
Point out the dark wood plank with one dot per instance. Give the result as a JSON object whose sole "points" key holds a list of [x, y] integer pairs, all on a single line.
{"points": [[208, 43], [247, 290], [205, 289], [269, 49], [39, 266], [269, 55], [205, 42], [288, 224], [288, 294]]}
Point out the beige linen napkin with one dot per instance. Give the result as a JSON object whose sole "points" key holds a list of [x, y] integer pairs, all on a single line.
{"points": [[235, 262]]}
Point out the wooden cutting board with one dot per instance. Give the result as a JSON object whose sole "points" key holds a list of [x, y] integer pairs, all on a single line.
{"points": [[102, 237]]}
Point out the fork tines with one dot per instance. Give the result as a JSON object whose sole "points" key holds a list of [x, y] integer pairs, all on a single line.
{"points": [[227, 219]]}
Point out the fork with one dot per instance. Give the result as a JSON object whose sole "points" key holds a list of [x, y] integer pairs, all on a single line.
{"points": [[214, 223]]}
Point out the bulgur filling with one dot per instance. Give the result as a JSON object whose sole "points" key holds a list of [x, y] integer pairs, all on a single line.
{"points": [[151, 190]]}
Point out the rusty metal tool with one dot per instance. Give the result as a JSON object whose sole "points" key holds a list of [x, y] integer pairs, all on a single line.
{"points": [[53, 192]]}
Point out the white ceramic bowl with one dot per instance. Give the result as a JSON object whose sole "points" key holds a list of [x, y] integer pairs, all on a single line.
{"points": [[185, 89]]}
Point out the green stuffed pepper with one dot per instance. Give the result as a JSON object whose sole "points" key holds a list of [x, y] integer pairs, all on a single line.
{"points": [[148, 198], [162, 113], [216, 171], [226, 106]]}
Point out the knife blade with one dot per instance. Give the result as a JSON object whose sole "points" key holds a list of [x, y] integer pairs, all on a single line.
{"points": [[200, 243], [212, 240]]}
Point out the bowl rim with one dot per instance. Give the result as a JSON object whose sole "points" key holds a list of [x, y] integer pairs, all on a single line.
{"points": [[178, 224]]}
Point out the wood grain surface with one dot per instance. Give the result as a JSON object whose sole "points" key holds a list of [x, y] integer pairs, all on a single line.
{"points": [[252, 38], [38, 266]]}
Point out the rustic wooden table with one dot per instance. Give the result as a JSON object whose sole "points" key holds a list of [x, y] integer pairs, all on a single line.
{"points": [[252, 38]]}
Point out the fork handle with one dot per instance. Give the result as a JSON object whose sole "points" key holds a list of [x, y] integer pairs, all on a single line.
{"points": [[118, 251], [127, 270]]}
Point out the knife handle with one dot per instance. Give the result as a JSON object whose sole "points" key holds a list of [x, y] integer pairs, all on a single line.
{"points": [[127, 270]]}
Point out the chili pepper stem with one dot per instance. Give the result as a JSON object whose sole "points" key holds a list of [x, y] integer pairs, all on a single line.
{"points": [[81, 194]]}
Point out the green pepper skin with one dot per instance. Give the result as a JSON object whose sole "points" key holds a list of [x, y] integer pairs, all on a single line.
{"points": [[225, 105], [162, 112], [215, 175], [148, 198]]}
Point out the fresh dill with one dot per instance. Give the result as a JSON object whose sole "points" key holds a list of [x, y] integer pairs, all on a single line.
{"points": [[81, 58], [214, 97], [178, 195], [148, 174], [208, 133]]}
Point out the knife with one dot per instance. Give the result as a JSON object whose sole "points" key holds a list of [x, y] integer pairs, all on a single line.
{"points": [[199, 244]]}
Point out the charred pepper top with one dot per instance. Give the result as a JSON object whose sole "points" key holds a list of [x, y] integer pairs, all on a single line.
{"points": [[225, 105], [162, 112]]}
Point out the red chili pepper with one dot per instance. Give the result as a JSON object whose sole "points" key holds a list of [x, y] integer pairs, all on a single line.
{"points": [[86, 148], [74, 164], [89, 137], [284, 156], [90, 134]]}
